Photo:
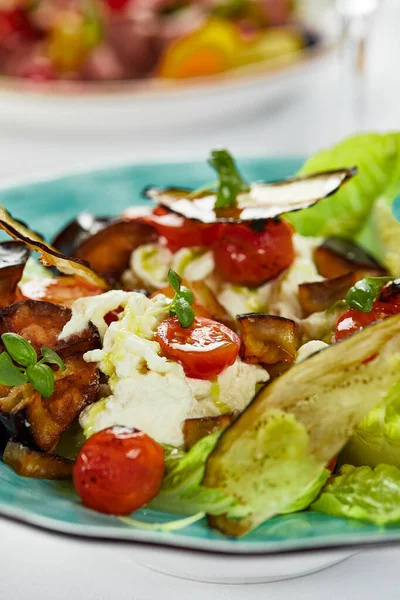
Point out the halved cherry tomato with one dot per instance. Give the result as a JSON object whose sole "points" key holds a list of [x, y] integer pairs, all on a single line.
{"points": [[354, 320], [113, 315], [180, 232], [245, 256], [59, 290], [204, 349], [118, 470]]}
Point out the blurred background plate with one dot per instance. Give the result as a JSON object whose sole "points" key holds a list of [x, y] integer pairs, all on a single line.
{"points": [[85, 107]]}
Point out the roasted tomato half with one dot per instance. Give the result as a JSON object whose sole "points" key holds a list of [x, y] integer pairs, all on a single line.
{"points": [[246, 256], [118, 470], [354, 320], [204, 349], [180, 232]]}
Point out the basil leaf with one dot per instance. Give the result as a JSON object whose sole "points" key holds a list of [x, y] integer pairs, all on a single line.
{"points": [[231, 183], [49, 356], [184, 312], [42, 378], [362, 295], [174, 280], [10, 374], [19, 349], [187, 294]]}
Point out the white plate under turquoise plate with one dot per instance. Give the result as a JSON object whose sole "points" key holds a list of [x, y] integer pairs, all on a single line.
{"points": [[283, 547]]}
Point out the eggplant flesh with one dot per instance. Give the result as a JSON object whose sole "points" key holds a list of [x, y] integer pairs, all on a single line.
{"points": [[338, 256], [32, 463], [264, 201], [280, 444], [13, 258], [267, 339], [321, 295], [196, 429], [76, 232]]}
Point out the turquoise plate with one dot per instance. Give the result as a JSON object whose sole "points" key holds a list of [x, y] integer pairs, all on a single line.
{"points": [[47, 206]]}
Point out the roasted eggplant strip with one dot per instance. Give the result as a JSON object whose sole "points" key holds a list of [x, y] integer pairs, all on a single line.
{"points": [[76, 232], [321, 295], [13, 258], [338, 256], [281, 443], [41, 323], [196, 429], [267, 339], [49, 418], [31, 463], [205, 297], [264, 201], [109, 250], [49, 256]]}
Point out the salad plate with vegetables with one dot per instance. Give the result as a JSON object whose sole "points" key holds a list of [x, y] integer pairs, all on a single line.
{"points": [[213, 366]]}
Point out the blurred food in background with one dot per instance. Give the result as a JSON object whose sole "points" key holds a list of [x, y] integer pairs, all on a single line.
{"points": [[102, 40]]}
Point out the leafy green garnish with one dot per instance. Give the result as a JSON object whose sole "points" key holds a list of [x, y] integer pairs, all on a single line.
{"points": [[363, 493], [363, 293], [181, 305], [39, 374], [231, 183]]}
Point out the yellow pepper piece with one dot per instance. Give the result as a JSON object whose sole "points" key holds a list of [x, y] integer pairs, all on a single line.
{"points": [[272, 43], [209, 50]]}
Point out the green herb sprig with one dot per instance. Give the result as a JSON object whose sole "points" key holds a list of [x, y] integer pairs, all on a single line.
{"points": [[362, 295], [182, 303], [28, 368], [231, 183]]}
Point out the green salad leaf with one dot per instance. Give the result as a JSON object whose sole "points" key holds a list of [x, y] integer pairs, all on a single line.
{"points": [[363, 493], [377, 438], [346, 212], [182, 492]]}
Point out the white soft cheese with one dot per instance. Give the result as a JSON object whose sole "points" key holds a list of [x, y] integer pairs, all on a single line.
{"points": [[148, 391], [150, 263], [194, 264], [309, 349]]}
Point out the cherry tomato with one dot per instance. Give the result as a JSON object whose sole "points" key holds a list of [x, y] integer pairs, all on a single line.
{"points": [[117, 5], [391, 293], [118, 470], [204, 349], [59, 290], [248, 257], [180, 232], [331, 466], [113, 315], [15, 22], [354, 320]]}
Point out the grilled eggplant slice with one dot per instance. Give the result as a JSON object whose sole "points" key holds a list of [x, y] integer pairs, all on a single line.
{"points": [[277, 448], [108, 251], [49, 256], [338, 256], [31, 463], [267, 339], [196, 429], [205, 297], [42, 322], [321, 295], [13, 258], [263, 201], [76, 232], [75, 389]]}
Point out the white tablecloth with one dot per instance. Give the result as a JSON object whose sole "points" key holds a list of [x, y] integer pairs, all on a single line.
{"points": [[39, 566]]}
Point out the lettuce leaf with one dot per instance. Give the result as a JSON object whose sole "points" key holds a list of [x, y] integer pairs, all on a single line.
{"points": [[182, 492], [346, 212], [363, 493], [377, 438]]}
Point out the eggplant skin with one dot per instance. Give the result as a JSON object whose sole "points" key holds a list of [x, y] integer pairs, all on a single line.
{"points": [[13, 258], [267, 339], [338, 256], [42, 322], [196, 429], [76, 232]]}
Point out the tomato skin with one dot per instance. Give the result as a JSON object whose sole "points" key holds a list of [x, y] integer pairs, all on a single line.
{"points": [[113, 315], [354, 320], [118, 470], [180, 232], [331, 466], [248, 257], [58, 290], [204, 349]]}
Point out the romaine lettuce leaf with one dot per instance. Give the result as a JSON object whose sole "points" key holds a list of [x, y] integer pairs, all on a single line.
{"points": [[363, 493], [377, 438], [346, 212], [182, 492]]}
